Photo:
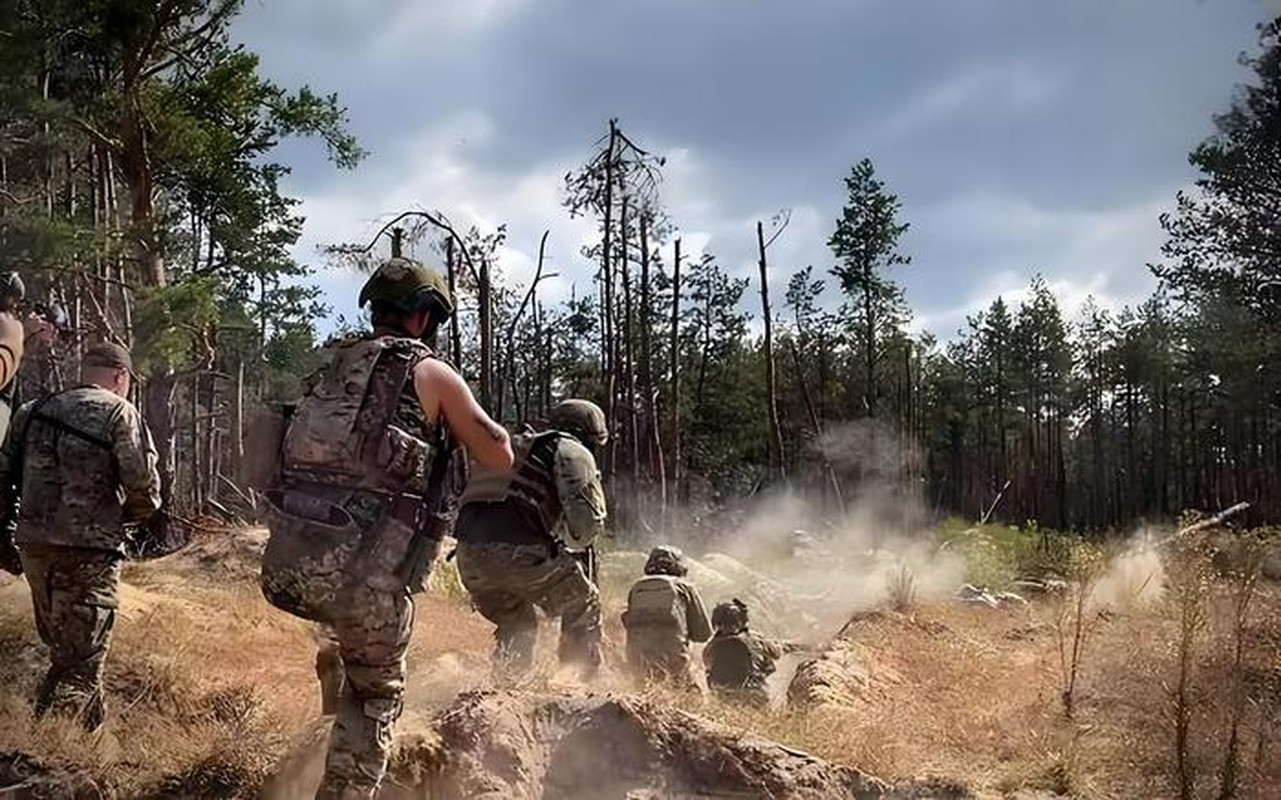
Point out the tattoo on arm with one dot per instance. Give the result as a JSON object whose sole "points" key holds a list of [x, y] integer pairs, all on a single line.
{"points": [[495, 430]]}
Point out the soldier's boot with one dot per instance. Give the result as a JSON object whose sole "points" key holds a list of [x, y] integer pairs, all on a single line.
{"points": [[515, 639], [329, 669]]}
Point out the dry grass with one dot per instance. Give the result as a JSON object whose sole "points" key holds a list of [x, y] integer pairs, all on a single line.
{"points": [[208, 686]]}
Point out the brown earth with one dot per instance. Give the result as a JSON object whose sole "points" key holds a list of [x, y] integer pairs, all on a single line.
{"points": [[212, 694]]}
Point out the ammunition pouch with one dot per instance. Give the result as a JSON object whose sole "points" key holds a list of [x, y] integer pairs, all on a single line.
{"points": [[309, 554]]}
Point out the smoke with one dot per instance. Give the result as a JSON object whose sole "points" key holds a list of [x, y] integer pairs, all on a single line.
{"points": [[803, 566], [1132, 578]]}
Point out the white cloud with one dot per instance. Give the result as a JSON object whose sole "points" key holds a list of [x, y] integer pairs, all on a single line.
{"points": [[1080, 254]]}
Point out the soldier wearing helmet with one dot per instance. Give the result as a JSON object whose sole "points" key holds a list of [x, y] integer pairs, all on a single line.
{"points": [[359, 465], [739, 661], [664, 615], [516, 529]]}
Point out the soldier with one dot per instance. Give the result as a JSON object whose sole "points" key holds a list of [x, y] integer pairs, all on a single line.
{"points": [[78, 468], [739, 661], [354, 522], [664, 614], [12, 338], [510, 557]]}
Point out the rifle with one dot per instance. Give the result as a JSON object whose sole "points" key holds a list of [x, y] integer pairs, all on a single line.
{"points": [[430, 524]]}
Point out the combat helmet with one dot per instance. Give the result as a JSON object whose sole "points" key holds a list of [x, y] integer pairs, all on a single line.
{"points": [[581, 419], [666, 560], [12, 290], [409, 287], [730, 617]]}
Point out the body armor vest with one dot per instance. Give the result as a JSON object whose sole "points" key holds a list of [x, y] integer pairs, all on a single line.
{"points": [[530, 484], [359, 424]]}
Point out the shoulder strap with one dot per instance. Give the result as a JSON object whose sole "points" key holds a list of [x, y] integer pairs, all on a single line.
{"points": [[62, 427]]}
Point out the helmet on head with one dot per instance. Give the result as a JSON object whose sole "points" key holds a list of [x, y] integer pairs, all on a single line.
{"points": [[408, 287], [581, 419], [666, 560], [730, 617], [12, 290], [56, 315]]}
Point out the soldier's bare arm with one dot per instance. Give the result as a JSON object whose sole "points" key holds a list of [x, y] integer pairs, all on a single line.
{"points": [[11, 336], [696, 621], [136, 458], [444, 395], [581, 495]]}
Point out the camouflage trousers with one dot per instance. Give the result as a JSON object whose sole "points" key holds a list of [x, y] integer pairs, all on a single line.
{"points": [[74, 594], [366, 617], [658, 656], [507, 581]]}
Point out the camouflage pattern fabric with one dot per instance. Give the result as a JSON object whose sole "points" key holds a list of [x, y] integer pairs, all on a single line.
{"points": [[507, 581], [372, 628], [357, 441], [762, 654], [661, 651], [75, 441], [567, 489], [74, 594]]}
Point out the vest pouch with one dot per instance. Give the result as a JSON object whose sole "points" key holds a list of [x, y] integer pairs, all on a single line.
{"points": [[404, 459], [308, 556]]}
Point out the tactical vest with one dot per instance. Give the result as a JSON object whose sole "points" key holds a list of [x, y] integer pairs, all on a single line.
{"points": [[530, 484], [655, 601], [359, 424]]}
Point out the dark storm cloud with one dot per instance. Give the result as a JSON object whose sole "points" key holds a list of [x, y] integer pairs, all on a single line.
{"points": [[1020, 136]]}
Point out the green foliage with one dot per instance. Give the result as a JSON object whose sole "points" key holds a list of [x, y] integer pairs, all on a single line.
{"points": [[997, 555], [172, 324]]}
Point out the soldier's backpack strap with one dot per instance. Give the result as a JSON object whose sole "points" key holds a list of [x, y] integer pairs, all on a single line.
{"points": [[407, 357]]}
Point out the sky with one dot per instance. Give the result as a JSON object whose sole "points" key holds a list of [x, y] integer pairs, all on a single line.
{"points": [[1021, 137]]}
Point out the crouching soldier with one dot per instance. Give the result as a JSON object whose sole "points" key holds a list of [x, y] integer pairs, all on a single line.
{"points": [[510, 556], [738, 660], [664, 615]]}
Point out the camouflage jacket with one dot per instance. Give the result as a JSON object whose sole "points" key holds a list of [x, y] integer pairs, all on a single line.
{"points": [[87, 467], [761, 652]]}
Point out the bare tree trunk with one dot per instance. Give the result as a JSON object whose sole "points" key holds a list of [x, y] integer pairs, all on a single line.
{"points": [[455, 335], [607, 301], [818, 426], [771, 384], [486, 322], [675, 370], [628, 393]]}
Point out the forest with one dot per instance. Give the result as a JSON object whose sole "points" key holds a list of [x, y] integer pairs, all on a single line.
{"points": [[139, 190]]}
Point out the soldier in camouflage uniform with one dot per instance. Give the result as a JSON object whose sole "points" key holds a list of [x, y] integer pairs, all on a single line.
{"points": [[738, 660], [510, 557], [81, 467], [664, 615], [354, 520]]}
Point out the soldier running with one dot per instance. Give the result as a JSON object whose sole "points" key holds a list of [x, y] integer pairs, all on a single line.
{"points": [[354, 524]]}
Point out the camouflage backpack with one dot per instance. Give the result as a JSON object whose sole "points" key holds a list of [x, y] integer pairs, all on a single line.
{"points": [[655, 601], [342, 430]]}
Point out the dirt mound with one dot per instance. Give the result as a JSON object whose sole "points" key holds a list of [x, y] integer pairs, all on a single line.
{"points": [[847, 673], [513, 745]]}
